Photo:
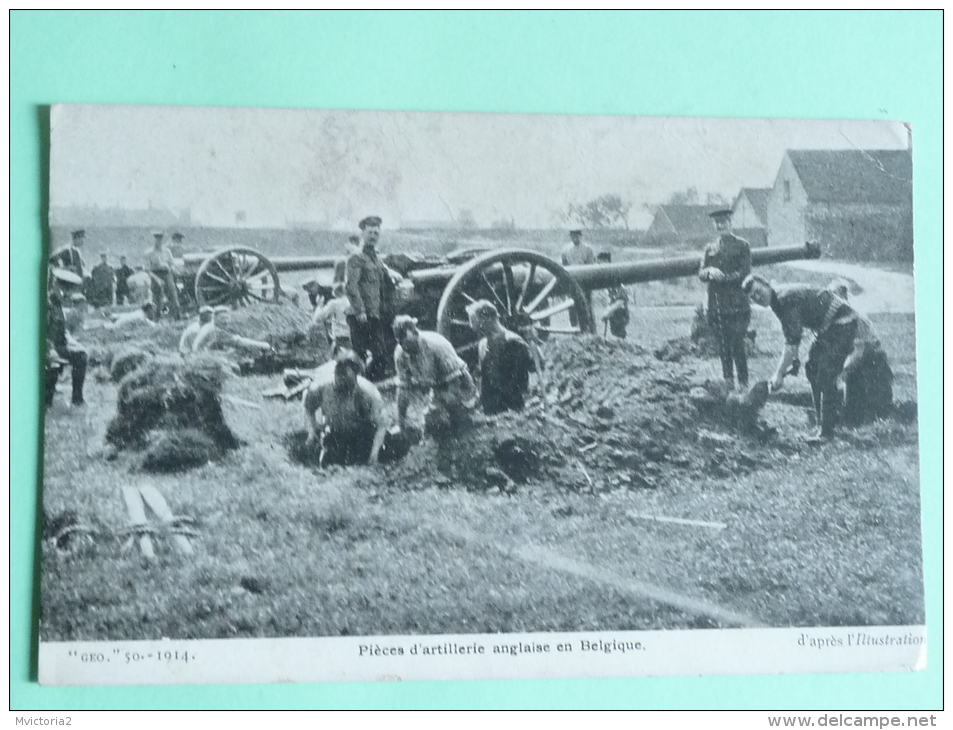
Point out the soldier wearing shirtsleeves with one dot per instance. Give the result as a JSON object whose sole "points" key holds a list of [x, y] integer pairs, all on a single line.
{"points": [[835, 326], [427, 365], [725, 264]]}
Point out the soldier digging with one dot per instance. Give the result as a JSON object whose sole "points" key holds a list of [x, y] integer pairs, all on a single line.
{"points": [[843, 341], [726, 262]]}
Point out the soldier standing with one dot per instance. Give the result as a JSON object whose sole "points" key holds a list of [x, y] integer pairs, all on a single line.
{"points": [[122, 281], [62, 348], [725, 264], [161, 266], [70, 257], [371, 293], [578, 253], [102, 283]]}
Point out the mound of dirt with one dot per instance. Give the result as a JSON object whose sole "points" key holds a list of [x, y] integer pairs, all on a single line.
{"points": [[607, 415], [273, 323], [165, 400], [699, 343]]}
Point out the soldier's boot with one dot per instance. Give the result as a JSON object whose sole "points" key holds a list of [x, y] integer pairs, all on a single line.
{"points": [[741, 365], [52, 376], [78, 362]]}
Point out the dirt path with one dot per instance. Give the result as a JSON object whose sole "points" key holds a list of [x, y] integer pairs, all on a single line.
{"points": [[883, 291]]}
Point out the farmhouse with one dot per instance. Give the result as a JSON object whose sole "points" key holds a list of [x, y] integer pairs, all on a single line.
{"points": [[750, 215], [682, 226], [856, 203]]}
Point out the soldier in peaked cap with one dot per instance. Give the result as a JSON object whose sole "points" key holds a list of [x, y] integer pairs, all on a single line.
{"points": [[725, 263], [70, 257], [62, 349], [371, 292]]}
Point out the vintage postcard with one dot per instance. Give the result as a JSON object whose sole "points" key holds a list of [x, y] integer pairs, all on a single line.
{"points": [[351, 396]]}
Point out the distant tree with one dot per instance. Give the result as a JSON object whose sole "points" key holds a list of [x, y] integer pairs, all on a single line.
{"points": [[465, 220], [504, 224], [615, 208], [715, 199], [602, 212], [684, 197]]}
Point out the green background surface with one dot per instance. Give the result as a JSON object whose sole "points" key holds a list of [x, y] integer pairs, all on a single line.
{"points": [[850, 64]]}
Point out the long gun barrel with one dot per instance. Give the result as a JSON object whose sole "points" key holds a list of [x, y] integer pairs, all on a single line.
{"points": [[603, 276]]}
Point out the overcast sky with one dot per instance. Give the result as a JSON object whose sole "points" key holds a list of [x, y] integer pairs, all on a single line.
{"points": [[337, 166]]}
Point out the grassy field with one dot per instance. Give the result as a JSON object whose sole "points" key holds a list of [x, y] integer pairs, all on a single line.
{"points": [[813, 536]]}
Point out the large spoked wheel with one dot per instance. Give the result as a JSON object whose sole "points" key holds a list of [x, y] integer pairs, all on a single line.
{"points": [[236, 277], [534, 295]]}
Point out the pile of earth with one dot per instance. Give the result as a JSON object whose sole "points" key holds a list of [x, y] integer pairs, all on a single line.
{"points": [[699, 343], [607, 415], [286, 327]]}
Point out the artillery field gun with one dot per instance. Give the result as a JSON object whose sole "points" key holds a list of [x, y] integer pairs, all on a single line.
{"points": [[531, 290]]}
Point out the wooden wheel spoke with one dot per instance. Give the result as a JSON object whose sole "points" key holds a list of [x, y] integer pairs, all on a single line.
{"points": [[492, 289], [543, 293], [509, 286], [224, 270], [527, 283], [459, 322], [467, 297], [559, 330], [467, 348], [251, 265], [553, 310], [210, 275]]}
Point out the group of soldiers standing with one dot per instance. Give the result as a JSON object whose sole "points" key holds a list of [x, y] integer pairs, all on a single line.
{"points": [[152, 286]]}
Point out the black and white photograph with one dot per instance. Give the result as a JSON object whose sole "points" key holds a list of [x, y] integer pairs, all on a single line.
{"points": [[358, 395]]}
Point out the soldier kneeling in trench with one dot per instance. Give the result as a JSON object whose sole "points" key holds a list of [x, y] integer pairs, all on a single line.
{"points": [[428, 366], [843, 343], [352, 429]]}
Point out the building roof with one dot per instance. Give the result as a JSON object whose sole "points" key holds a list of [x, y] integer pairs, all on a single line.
{"points": [[855, 176], [690, 220], [758, 197]]}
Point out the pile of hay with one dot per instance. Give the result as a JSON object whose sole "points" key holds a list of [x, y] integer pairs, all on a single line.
{"points": [[172, 410]]}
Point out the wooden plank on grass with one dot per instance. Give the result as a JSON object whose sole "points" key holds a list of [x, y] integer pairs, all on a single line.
{"points": [[678, 521], [137, 516], [157, 504]]}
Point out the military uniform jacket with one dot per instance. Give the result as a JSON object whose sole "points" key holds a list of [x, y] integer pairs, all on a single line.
{"points": [[799, 307], [732, 256], [368, 286], [68, 258]]}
